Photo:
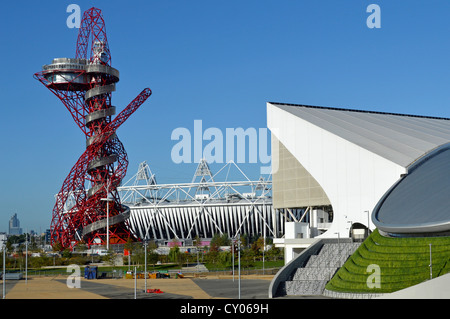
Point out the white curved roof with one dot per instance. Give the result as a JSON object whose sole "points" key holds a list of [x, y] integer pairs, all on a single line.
{"points": [[399, 138], [419, 202]]}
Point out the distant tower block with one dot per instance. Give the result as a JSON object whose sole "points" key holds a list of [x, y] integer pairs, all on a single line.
{"points": [[85, 85]]}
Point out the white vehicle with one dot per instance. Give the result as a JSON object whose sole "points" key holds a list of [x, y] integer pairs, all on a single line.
{"points": [[100, 252]]}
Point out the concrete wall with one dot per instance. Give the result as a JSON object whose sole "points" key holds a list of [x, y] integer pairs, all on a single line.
{"points": [[293, 186], [285, 272]]}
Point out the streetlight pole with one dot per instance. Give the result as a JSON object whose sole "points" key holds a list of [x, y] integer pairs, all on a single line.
{"points": [[232, 254], [107, 215], [239, 267], [26, 258], [145, 270], [198, 264], [431, 265], [135, 283], [264, 236], [4, 271]]}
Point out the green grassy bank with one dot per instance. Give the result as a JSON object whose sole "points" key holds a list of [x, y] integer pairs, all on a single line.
{"points": [[399, 263]]}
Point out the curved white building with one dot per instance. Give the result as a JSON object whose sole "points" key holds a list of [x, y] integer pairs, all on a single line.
{"points": [[419, 203], [342, 161]]}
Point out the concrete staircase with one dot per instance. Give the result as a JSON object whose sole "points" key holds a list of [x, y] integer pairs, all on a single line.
{"points": [[312, 278], [195, 268]]}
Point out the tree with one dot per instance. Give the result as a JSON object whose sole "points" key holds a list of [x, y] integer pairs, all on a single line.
{"points": [[139, 253], [57, 246], [247, 257], [80, 246], [197, 242], [274, 253], [258, 245], [175, 255], [16, 239], [110, 258], [225, 240], [213, 254], [129, 245], [244, 240], [152, 246], [152, 257], [224, 259], [67, 253], [220, 240]]}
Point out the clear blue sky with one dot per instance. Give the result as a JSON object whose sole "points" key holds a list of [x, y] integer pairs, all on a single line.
{"points": [[218, 61]]}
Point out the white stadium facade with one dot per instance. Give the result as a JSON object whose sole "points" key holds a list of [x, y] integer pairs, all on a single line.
{"points": [[340, 166]]}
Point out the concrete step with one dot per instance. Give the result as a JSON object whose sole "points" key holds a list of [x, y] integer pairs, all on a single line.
{"points": [[305, 287], [314, 273], [196, 268]]}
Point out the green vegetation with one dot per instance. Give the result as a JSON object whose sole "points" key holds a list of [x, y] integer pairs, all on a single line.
{"points": [[403, 262], [212, 256]]}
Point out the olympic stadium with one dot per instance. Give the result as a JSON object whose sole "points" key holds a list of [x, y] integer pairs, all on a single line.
{"points": [[384, 178], [206, 206]]}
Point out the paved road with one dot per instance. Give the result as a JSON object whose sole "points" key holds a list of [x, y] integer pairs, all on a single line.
{"points": [[188, 288], [120, 292], [216, 288], [9, 284], [227, 288]]}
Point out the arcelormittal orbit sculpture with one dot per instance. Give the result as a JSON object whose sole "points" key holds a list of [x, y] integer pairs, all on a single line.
{"points": [[88, 207]]}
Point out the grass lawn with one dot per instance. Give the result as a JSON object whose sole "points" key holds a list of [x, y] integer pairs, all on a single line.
{"points": [[399, 263]]}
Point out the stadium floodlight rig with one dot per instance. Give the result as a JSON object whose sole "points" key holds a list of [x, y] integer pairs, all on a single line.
{"points": [[202, 208], [84, 85]]}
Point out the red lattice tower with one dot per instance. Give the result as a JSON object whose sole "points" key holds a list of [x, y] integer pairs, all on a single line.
{"points": [[85, 85]]}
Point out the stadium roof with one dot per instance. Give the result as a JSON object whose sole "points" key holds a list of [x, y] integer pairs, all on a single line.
{"points": [[399, 138]]}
